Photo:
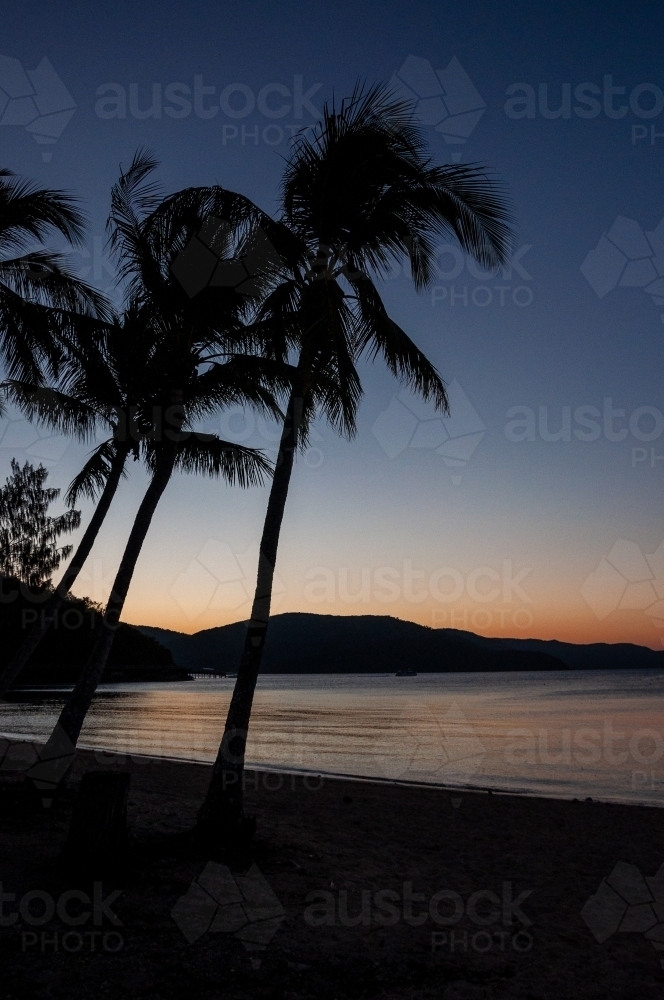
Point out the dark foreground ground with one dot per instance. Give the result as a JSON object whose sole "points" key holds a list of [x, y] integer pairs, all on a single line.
{"points": [[418, 893]]}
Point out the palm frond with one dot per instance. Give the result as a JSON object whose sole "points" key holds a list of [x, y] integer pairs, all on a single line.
{"points": [[91, 480], [133, 197], [45, 278], [210, 455], [59, 411], [29, 212], [378, 334]]}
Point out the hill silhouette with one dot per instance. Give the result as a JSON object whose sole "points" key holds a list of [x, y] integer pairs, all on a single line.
{"points": [[61, 655], [309, 643]]}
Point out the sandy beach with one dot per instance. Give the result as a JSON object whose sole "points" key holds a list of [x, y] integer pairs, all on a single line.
{"points": [[351, 889]]}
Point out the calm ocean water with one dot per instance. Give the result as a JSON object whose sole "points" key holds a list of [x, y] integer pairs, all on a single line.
{"points": [[561, 734]]}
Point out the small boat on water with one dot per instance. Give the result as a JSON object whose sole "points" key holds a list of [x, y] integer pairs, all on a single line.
{"points": [[406, 673]]}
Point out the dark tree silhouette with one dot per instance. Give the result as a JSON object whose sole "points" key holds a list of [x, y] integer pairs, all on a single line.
{"points": [[187, 379], [28, 533]]}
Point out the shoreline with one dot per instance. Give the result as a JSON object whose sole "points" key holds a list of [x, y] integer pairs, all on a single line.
{"points": [[344, 776]]}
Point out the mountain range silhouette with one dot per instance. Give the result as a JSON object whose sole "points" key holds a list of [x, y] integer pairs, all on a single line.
{"points": [[300, 643]]}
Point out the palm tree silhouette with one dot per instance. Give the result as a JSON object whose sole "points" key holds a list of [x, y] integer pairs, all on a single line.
{"points": [[110, 384], [197, 365], [358, 192]]}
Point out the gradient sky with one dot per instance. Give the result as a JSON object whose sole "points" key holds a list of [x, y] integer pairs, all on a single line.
{"points": [[529, 537]]}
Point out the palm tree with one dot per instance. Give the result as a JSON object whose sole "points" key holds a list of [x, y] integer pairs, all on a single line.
{"points": [[358, 192], [44, 308], [198, 366], [109, 384], [115, 376]]}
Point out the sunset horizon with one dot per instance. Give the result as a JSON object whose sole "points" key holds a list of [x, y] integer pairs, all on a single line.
{"points": [[331, 479]]}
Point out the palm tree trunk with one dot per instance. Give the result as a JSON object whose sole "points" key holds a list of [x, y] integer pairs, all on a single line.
{"points": [[55, 602], [222, 810], [74, 712]]}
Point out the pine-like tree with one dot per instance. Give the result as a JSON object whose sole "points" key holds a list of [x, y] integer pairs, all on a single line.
{"points": [[28, 533]]}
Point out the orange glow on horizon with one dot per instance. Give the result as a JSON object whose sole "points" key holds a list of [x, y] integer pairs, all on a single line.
{"points": [[571, 624]]}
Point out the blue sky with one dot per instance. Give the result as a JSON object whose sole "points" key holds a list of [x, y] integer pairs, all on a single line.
{"points": [[577, 518]]}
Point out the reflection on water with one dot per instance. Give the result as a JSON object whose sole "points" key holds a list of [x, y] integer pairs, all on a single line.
{"points": [[587, 733]]}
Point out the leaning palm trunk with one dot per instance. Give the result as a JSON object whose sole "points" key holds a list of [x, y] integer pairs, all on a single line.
{"points": [[74, 712], [222, 809], [56, 600]]}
